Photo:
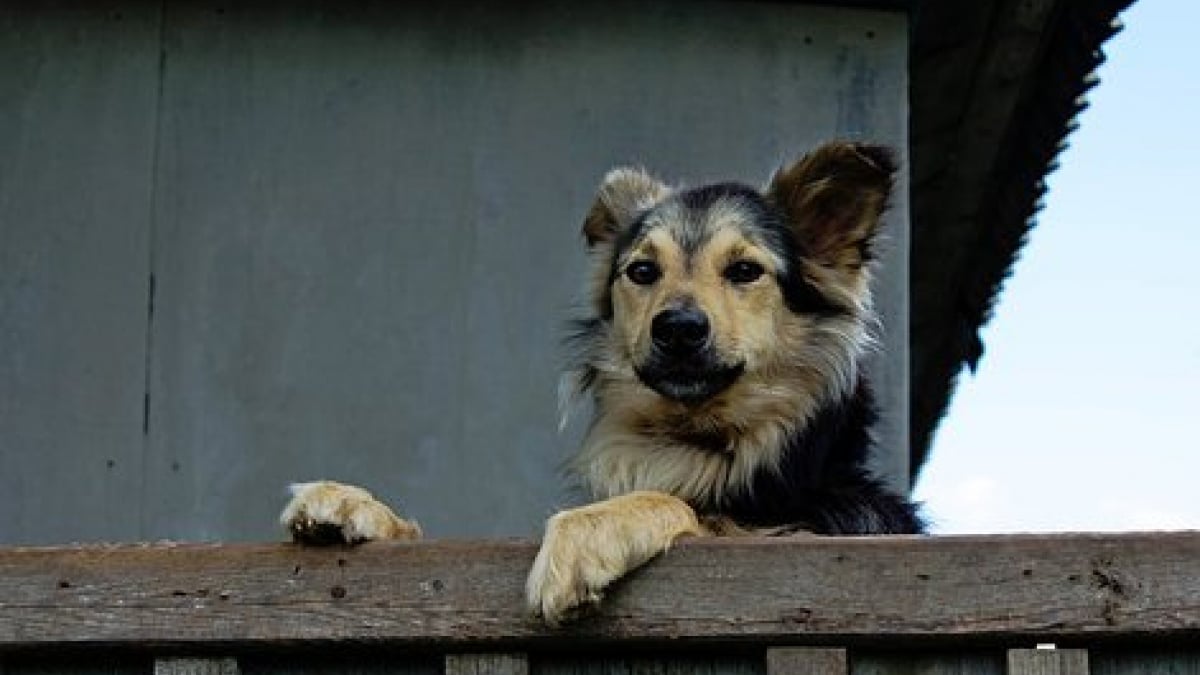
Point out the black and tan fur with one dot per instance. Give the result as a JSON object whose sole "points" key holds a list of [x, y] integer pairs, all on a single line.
{"points": [[722, 349]]}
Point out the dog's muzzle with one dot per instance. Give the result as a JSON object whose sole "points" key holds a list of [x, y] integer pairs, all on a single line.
{"points": [[683, 365]]}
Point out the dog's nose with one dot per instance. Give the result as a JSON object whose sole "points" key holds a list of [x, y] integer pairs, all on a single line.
{"points": [[680, 331]]}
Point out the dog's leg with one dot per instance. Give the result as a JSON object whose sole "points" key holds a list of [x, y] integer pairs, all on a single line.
{"points": [[587, 548], [325, 512]]}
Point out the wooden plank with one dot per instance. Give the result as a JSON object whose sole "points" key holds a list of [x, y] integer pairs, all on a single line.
{"points": [[56, 664], [958, 661], [78, 91], [1177, 660], [171, 666], [338, 662], [807, 661], [487, 664], [846, 591], [1047, 662], [675, 664]]}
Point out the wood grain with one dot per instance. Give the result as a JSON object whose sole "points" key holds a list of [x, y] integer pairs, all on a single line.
{"points": [[1158, 661], [807, 661], [1047, 662], [960, 660], [196, 667], [487, 664], [617, 661], [844, 591]]}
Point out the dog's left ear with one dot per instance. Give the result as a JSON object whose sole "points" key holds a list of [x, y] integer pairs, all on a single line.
{"points": [[833, 198], [623, 194]]}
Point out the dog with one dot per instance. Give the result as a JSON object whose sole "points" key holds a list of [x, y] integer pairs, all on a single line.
{"points": [[722, 348]]}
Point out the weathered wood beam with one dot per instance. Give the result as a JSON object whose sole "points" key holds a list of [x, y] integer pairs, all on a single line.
{"points": [[463, 595]]}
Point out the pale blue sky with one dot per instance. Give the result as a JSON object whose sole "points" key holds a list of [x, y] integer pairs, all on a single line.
{"points": [[1081, 413]]}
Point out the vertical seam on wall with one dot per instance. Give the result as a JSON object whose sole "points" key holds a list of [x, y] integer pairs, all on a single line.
{"points": [[151, 260]]}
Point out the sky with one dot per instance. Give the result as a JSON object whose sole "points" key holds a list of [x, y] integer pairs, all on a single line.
{"points": [[1079, 416]]}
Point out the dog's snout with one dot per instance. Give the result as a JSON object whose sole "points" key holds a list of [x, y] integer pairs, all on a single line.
{"points": [[680, 331]]}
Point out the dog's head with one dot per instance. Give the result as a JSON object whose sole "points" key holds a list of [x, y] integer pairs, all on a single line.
{"points": [[696, 291]]}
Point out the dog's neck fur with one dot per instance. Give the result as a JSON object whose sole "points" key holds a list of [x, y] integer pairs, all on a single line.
{"points": [[706, 455]]}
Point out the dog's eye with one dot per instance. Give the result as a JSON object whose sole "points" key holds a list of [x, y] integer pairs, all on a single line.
{"points": [[744, 271], [643, 272]]}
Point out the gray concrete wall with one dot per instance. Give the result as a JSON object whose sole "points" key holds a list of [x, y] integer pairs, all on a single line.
{"points": [[359, 227], [77, 133]]}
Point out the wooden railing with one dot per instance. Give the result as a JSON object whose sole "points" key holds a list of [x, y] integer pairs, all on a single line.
{"points": [[819, 606]]}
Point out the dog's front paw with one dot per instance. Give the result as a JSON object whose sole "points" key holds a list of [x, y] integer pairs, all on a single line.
{"points": [[588, 548], [572, 567], [325, 513]]}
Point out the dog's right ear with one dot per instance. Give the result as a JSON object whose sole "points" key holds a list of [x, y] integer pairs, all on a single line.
{"points": [[623, 194]]}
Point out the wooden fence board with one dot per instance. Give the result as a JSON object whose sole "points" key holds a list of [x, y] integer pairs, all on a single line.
{"points": [[45, 664], [678, 664], [1146, 662], [958, 662], [1047, 662], [341, 662], [843, 591], [487, 664], [196, 667], [807, 661]]}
